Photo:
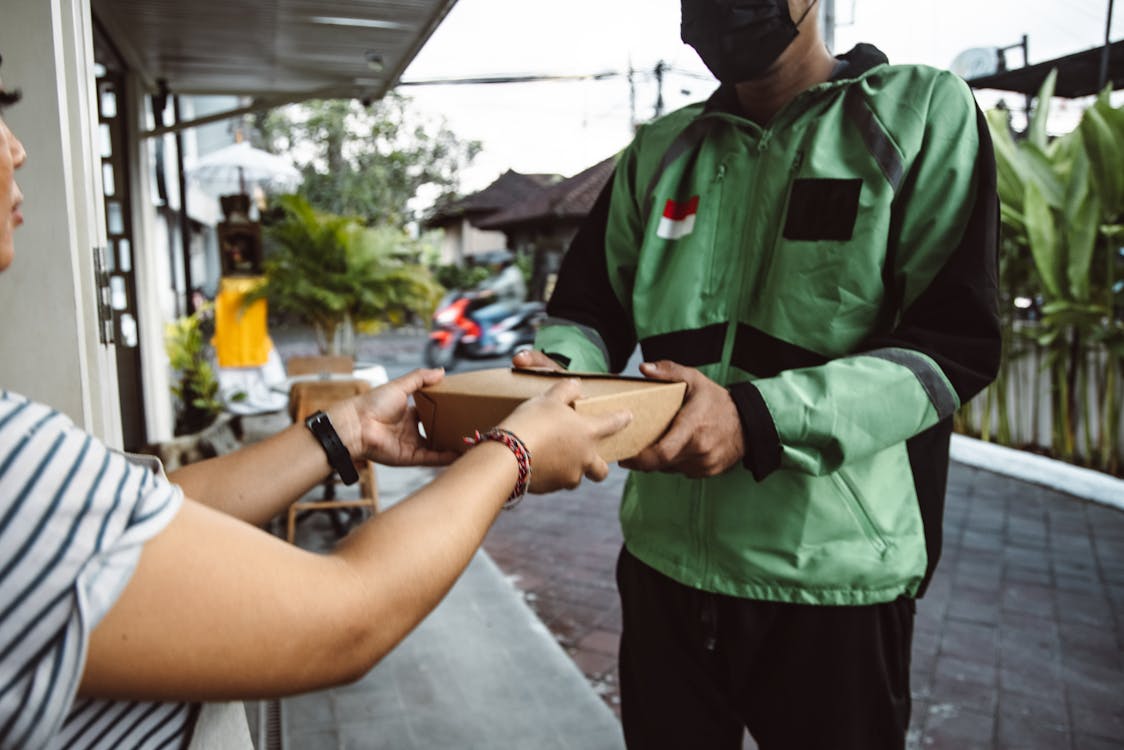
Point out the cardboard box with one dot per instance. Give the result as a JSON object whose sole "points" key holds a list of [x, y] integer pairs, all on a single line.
{"points": [[463, 403]]}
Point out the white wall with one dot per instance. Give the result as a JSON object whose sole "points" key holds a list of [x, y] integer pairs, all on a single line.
{"points": [[464, 240], [49, 346]]}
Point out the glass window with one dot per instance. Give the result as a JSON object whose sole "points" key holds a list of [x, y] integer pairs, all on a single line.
{"points": [[124, 255], [115, 217], [108, 102], [128, 330], [107, 183], [106, 141], [118, 297]]}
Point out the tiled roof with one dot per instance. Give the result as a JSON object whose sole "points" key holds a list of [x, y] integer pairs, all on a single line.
{"points": [[570, 199], [509, 188]]}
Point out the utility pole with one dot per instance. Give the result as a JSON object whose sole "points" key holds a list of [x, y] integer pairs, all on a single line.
{"points": [[661, 68], [829, 25], [631, 97], [1104, 52]]}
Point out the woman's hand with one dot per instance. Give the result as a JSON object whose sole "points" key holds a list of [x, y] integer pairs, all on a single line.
{"points": [[563, 443], [381, 425]]}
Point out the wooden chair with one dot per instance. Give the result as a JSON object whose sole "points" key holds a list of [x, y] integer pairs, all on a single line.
{"points": [[320, 365], [306, 398]]}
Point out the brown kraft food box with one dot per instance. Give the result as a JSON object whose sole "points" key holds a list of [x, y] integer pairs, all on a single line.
{"points": [[463, 403]]}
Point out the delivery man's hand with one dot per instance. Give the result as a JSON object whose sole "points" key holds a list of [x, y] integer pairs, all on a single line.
{"points": [[704, 439], [532, 358]]}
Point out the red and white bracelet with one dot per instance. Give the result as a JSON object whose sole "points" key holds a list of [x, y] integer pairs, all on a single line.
{"points": [[522, 458]]}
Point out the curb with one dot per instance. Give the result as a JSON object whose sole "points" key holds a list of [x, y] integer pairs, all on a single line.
{"points": [[1047, 472]]}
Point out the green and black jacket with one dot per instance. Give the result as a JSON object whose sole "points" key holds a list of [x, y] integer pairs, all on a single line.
{"points": [[836, 271]]}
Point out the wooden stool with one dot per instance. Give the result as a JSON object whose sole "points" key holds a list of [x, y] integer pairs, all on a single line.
{"points": [[305, 399]]}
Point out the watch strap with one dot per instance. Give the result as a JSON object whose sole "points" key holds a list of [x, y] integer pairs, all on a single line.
{"points": [[321, 428]]}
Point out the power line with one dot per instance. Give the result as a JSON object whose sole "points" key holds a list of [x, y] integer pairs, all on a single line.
{"points": [[531, 78]]}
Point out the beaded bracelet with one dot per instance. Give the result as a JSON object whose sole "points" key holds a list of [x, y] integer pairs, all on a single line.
{"points": [[522, 457]]}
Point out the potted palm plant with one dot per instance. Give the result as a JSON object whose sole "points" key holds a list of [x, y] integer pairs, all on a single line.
{"points": [[195, 388], [338, 275]]}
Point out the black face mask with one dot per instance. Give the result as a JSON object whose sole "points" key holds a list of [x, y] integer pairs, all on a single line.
{"points": [[738, 39]]}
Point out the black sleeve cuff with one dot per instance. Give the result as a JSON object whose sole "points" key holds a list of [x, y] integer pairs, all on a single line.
{"points": [[762, 443]]}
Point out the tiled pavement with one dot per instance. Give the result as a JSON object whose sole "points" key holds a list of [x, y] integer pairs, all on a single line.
{"points": [[561, 551], [1018, 642]]}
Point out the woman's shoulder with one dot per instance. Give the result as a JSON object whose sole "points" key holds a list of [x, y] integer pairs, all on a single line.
{"points": [[18, 414], [61, 488]]}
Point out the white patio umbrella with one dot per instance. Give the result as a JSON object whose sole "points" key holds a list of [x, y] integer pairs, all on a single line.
{"points": [[236, 167]]}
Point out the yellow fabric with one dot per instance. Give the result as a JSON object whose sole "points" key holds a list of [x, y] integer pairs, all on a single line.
{"points": [[241, 335]]}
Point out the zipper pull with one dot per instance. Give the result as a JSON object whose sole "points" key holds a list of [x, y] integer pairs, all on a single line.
{"points": [[797, 162], [721, 175], [764, 142]]}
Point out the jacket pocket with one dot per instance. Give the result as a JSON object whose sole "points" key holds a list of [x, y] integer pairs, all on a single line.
{"points": [[822, 209], [853, 501]]}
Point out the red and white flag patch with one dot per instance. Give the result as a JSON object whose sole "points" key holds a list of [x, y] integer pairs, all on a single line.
{"points": [[678, 218]]}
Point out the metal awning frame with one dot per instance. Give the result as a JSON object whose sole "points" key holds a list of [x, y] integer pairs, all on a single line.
{"points": [[1078, 74], [377, 89]]}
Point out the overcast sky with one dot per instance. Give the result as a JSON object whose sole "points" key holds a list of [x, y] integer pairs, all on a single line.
{"points": [[564, 127]]}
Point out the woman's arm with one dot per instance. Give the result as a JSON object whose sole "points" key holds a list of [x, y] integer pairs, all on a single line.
{"points": [[218, 609], [259, 481]]}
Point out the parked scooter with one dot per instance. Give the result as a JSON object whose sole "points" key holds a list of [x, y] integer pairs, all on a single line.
{"points": [[457, 334]]}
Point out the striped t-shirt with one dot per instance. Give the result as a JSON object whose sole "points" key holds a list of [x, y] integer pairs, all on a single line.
{"points": [[74, 516]]}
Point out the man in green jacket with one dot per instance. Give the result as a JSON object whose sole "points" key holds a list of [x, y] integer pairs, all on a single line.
{"points": [[813, 250]]}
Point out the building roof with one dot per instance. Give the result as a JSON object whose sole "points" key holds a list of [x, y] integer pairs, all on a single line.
{"points": [[572, 198], [1078, 74], [508, 189]]}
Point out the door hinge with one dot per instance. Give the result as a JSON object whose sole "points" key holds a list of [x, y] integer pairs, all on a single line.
{"points": [[106, 330]]}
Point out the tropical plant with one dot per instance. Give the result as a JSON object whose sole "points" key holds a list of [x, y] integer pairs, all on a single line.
{"points": [[196, 387], [1062, 203], [335, 273]]}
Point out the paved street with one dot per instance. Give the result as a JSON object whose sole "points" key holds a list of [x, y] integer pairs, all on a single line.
{"points": [[1019, 642]]}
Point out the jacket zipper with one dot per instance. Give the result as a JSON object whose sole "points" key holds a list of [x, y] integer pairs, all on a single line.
{"points": [[869, 528], [697, 520], [713, 278]]}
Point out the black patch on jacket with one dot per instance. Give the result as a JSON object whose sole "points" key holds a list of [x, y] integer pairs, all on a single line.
{"points": [[822, 209], [693, 347]]}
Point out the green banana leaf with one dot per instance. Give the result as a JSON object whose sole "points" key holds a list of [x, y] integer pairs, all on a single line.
{"points": [[1045, 246], [1044, 169], [1082, 218], [1102, 131], [1010, 173], [1036, 132]]}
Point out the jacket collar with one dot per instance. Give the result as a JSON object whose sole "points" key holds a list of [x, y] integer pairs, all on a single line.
{"points": [[853, 64]]}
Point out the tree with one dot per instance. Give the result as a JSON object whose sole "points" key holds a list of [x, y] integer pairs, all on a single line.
{"points": [[366, 161]]}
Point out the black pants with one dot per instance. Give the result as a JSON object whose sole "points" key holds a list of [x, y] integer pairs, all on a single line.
{"points": [[697, 669]]}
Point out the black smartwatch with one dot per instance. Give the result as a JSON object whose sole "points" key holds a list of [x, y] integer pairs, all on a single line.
{"points": [[338, 457]]}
